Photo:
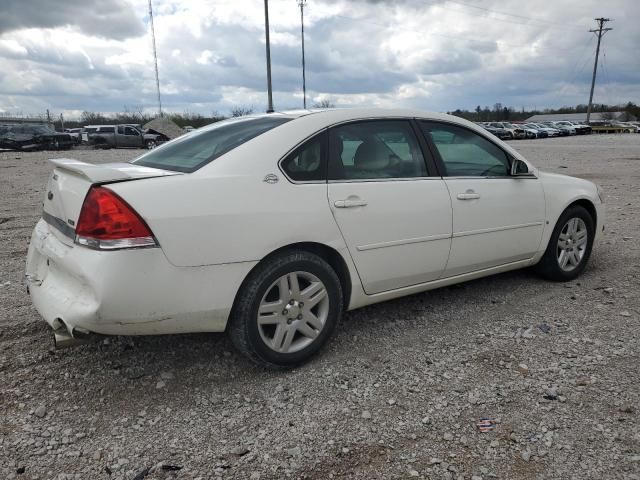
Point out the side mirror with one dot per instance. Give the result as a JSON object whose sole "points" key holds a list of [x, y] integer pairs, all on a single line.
{"points": [[519, 169]]}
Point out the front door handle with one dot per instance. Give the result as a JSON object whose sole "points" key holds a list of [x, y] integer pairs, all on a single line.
{"points": [[349, 203], [468, 195]]}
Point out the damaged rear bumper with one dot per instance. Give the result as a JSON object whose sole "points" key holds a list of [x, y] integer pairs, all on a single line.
{"points": [[126, 292]]}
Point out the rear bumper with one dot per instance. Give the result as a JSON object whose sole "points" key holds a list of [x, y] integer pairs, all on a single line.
{"points": [[127, 292]]}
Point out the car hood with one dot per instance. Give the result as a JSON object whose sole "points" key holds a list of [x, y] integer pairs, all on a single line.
{"points": [[588, 187]]}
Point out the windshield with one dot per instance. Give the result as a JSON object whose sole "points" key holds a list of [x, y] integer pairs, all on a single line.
{"points": [[192, 151]]}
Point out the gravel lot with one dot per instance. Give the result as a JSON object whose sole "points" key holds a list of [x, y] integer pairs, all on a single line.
{"points": [[397, 394]]}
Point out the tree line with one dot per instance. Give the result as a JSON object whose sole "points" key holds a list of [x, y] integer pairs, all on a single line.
{"points": [[136, 115], [500, 112]]}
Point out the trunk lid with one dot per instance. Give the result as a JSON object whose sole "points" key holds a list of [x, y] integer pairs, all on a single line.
{"points": [[69, 183]]}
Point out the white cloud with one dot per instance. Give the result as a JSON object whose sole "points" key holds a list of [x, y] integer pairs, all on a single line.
{"points": [[435, 54]]}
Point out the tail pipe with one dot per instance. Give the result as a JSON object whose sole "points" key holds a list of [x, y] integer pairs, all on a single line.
{"points": [[64, 337]]}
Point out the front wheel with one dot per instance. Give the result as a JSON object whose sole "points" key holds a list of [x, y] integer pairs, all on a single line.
{"points": [[569, 247], [150, 144], [286, 310]]}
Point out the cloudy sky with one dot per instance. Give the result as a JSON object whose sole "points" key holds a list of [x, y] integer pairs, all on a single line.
{"points": [[430, 54]]}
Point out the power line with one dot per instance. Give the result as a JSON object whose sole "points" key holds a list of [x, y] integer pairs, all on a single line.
{"points": [[578, 69], [607, 84], [600, 32], [515, 15]]}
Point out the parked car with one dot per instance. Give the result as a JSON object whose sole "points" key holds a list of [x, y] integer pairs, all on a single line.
{"points": [[579, 128], [565, 130], [582, 128], [501, 133], [628, 126], [269, 227], [75, 133], [539, 132], [122, 136], [33, 137], [552, 132], [514, 131], [532, 132]]}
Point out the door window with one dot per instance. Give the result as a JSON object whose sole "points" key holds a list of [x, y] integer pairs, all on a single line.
{"points": [[375, 150], [120, 130], [131, 131], [306, 163], [465, 153]]}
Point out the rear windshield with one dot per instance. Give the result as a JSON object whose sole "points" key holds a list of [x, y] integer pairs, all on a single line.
{"points": [[194, 150]]}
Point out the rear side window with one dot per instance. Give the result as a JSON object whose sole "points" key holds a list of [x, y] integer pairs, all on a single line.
{"points": [[107, 129], [192, 151], [370, 150], [308, 162]]}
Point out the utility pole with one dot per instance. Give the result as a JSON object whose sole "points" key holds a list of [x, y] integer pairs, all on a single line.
{"points": [[266, 30], [155, 56], [302, 4], [600, 31]]}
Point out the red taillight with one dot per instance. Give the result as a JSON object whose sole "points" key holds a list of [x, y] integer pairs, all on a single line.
{"points": [[108, 222]]}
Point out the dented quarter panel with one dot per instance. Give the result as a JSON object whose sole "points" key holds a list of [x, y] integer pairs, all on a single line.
{"points": [[129, 292]]}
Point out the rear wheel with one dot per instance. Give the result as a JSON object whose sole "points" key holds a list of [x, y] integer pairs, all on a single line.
{"points": [[286, 310], [569, 247]]}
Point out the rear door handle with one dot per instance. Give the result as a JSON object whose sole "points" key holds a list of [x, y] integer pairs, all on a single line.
{"points": [[468, 195], [349, 203]]}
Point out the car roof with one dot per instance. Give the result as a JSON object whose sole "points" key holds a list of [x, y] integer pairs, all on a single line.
{"points": [[346, 114]]}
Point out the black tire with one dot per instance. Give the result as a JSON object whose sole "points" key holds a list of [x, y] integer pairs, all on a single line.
{"points": [[150, 144], [243, 329], [548, 267]]}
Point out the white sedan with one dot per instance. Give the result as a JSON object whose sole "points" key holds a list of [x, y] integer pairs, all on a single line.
{"points": [[269, 227]]}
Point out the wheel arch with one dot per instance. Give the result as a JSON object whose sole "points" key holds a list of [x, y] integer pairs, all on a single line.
{"points": [[588, 206], [327, 253], [584, 202]]}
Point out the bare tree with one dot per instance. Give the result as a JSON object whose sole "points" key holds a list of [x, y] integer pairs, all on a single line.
{"points": [[326, 103], [93, 118], [241, 111]]}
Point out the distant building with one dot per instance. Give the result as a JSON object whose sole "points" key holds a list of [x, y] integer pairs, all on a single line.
{"points": [[581, 117]]}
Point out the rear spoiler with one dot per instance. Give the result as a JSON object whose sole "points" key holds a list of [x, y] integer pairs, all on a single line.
{"points": [[108, 172]]}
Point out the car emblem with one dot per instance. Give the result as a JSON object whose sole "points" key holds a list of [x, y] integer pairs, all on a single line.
{"points": [[271, 178], [50, 195]]}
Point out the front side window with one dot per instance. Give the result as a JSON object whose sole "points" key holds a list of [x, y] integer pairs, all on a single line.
{"points": [[131, 131], [307, 163], [372, 150], [190, 152], [465, 153]]}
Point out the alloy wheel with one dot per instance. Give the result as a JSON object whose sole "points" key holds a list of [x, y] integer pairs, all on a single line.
{"points": [[293, 312], [572, 244]]}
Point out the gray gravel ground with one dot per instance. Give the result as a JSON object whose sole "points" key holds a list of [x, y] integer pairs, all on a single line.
{"points": [[397, 394]]}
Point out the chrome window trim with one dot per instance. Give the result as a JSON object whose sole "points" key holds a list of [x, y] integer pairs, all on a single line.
{"points": [[326, 129], [369, 180], [488, 137], [533, 176]]}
